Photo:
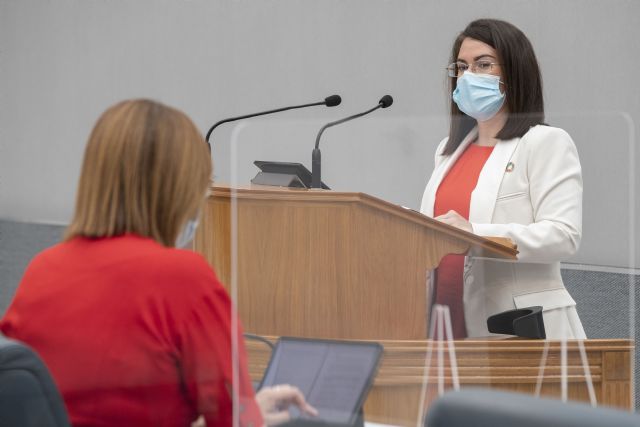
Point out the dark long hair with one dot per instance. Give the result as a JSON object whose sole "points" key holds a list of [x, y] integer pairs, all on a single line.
{"points": [[520, 74]]}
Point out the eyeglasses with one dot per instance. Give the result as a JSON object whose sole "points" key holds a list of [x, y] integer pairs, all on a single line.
{"points": [[481, 67]]}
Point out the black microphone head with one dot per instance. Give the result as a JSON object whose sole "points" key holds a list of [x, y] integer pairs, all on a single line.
{"points": [[332, 101], [386, 101]]}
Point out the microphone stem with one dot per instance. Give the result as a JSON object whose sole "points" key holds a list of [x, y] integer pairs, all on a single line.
{"points": [[316, 173], [277, 110], [337, 122], [316, 161]]}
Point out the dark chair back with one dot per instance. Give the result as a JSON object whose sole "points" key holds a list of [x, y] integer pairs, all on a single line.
{"points": [[28, 395], [481, 407]]}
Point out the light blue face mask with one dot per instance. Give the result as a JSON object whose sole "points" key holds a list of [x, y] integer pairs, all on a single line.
{"points": [[187, 234], [478, 95]]}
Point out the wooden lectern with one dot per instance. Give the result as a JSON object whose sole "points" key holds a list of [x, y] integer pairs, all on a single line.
{"points": [[325, 264]]}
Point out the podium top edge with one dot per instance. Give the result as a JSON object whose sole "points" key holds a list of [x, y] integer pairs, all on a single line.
{"points": [[494, 247], [496, 343]]}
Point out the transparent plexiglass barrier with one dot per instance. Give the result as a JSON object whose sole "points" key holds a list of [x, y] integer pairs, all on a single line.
{"points": [[357, 263]]}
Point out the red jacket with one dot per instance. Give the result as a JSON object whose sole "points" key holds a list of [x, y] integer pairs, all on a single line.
{"points": [[134, 333]]}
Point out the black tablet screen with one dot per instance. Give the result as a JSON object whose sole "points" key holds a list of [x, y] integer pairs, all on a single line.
{"points": [[334, 376]]}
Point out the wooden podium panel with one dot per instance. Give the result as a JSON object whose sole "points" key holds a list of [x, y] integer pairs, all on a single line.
{"points": [[327, 264], [506, 364]]}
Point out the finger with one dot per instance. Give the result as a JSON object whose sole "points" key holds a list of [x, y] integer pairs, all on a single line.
{"points": [[284, 391], [444, 215], [292, 395], [446, 219], [309, 409], [449, 214]]}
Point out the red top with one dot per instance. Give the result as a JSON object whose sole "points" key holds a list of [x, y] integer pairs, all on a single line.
{"points": [[134, 333], [454, 193]]}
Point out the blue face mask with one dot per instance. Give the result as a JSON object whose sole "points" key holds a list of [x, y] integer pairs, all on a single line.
{"points": [[187, 234], [478, 95]]}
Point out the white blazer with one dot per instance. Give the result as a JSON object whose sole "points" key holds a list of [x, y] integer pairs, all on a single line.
{"points": [[529, 190]]}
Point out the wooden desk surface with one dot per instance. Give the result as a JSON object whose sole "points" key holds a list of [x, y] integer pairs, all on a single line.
{"points": [[507, 364]]}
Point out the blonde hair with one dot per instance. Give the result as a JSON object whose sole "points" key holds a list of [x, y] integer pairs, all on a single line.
{"points": [[146, 170]]}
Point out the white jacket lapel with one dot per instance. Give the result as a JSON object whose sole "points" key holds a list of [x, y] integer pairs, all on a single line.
{"points": [[483, 198], [441, 171]]}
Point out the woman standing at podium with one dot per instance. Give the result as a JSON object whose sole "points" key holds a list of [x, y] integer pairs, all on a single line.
{"points": [[135, 331], [503, 172]]}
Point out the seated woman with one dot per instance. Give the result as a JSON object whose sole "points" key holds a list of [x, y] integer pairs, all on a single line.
{"points": [[134, 331]]}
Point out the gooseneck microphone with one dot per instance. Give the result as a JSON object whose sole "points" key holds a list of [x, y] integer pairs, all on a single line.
{"points": [[329, 101], [316, 161]]}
